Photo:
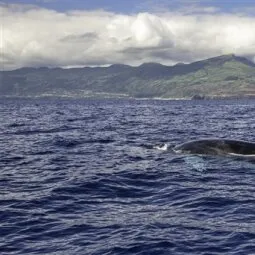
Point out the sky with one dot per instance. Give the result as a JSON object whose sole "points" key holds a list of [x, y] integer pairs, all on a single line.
{"points": [[76, 33]]}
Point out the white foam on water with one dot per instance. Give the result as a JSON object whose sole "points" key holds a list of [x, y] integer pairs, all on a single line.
{"points": [[163, 147]]}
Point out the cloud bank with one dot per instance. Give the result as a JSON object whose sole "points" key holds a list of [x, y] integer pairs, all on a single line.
{"points": [[33, 36]]}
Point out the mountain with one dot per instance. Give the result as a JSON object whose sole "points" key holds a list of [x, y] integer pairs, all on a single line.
{"points": [[222, 76]]}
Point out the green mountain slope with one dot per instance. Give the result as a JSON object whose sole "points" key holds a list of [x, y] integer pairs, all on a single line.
{"points": [[223, 76]]}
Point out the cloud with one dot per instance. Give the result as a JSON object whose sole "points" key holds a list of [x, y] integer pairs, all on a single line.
{"points": [[177, 6], [75, 38], [33, 36]]}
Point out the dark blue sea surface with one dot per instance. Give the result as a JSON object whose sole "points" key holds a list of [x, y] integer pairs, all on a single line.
{"points": [[84, 177]]}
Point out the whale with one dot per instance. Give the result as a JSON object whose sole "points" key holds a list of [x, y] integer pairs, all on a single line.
{"points": [[196, 152], [222, 147]]}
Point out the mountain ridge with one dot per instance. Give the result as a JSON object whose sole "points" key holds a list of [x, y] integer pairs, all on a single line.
{"points": [[222, 76]]}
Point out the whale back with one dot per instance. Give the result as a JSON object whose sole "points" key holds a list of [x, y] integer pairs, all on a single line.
{"points": [[217, 147]]}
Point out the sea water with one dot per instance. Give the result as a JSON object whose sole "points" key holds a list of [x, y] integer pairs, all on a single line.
{"points": [[86, 177]]}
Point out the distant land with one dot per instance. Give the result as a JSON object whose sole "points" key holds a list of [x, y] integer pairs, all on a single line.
{"points": [[226, 76]]}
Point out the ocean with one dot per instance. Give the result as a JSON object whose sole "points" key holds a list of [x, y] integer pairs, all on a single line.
{"points": [[85, 177]]}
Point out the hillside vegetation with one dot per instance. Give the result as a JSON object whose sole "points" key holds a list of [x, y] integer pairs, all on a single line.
{"points": [[223, 76]]}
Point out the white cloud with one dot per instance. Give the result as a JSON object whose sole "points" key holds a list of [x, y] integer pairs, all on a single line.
{"points": [[33, 36], [180, 6]]}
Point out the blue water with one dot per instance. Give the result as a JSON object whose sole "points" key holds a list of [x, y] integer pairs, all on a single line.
{"points": [[82, 177]]}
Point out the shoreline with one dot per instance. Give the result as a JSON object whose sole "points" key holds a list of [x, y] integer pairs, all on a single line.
{"points": [[206, 98]]}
